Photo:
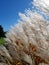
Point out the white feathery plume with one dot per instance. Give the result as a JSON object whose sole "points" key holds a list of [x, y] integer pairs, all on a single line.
{"points": [[31, 34], [43, 5]]}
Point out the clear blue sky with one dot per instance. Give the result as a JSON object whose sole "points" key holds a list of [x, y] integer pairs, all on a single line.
{"points": [[9, 10]]}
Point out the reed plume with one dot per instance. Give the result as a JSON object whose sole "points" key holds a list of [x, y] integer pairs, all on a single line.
{"points": [[31, 35]]}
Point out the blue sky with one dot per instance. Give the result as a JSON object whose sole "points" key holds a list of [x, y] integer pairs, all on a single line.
{"points": [[9, 10]]}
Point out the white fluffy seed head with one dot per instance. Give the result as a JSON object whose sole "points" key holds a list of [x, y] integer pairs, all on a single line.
{"points": [[31, 32], [43, 5]]}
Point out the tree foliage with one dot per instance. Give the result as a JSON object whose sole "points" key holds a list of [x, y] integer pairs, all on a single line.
{"points": [[2, 33]]}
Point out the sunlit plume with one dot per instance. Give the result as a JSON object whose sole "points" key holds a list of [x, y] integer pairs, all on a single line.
{"points": [[31, 35], [43, 5]]}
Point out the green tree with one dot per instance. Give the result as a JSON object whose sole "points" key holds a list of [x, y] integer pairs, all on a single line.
{"points": [[2, 34]]}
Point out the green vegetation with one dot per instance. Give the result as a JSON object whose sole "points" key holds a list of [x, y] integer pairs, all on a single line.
{"points": [[2, 41], [2, 35]]}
